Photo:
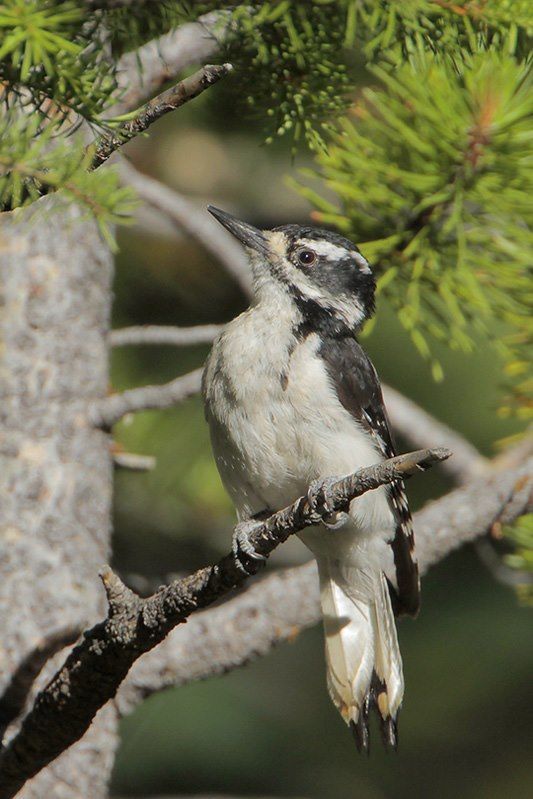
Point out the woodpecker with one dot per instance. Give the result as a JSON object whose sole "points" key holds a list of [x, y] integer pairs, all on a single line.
{"points": [[291, 398]]}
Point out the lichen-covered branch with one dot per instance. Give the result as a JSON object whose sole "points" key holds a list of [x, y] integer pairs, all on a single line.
{"points": [[16, 692], [96, 667]]}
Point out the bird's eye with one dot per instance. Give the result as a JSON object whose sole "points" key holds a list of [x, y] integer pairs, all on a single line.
{"points": [[306, 257]]}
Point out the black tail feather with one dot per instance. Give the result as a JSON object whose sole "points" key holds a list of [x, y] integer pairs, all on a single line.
{"points": [[388, 725]]}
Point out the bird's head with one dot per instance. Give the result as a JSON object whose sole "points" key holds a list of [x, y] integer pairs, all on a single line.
{"points": [[324, 274]]}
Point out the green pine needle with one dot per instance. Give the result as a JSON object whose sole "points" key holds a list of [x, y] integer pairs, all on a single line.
{"points": [[32, 158], [433, 172]]}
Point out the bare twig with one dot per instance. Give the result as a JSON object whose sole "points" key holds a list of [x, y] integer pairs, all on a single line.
{"points": [[195, 221], [164, 334], [100, 150], [187, 89], [108, 411], [95, 668], [142, 73], [134, 462], [277, 607], [418, 428]]}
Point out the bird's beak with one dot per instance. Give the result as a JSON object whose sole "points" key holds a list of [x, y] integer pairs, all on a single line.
{"points": [[250, 236]]}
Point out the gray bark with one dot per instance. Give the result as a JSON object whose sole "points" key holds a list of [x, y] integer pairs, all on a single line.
{"points": [[55, 468]]}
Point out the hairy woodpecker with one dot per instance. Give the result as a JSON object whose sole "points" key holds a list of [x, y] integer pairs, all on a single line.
{"points": [[291, 398]]}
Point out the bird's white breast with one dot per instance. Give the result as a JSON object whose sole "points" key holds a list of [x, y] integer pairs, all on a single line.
{"points": [[276, 422]]}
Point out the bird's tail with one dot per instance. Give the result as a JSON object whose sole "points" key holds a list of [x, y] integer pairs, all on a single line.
{"points": [[364, 665]]}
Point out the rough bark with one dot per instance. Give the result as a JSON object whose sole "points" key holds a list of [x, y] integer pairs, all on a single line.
{"points": [[55, 468]]}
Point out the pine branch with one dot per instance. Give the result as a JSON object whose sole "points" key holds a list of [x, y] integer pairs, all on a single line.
{"points": [[31, 173], [184, 91], [96, 667]]}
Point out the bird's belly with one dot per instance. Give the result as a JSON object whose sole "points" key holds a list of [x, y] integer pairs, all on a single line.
{"points": [[259, 452], [281, 434]]}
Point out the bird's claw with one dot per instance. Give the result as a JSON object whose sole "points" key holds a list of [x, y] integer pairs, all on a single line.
{"points": [[241, 543], [321, 499], [336, 521]]}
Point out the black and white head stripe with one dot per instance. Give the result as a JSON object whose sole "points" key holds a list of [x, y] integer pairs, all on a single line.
{"points": [[326, 269], [334, 252]]}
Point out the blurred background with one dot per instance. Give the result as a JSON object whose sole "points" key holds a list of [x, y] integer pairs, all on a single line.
{"points": [[270, 728]]}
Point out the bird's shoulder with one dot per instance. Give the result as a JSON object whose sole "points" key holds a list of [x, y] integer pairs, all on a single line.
{"points": [[357, 385]]}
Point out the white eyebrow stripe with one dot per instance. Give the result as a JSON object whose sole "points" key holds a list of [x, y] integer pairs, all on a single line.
{"points": [[326, 248], [333, 252]]}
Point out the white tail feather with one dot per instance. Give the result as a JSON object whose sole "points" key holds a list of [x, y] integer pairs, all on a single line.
{"points": [[362, 653]]}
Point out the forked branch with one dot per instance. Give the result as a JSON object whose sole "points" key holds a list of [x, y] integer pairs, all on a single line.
{"points": [[95, 668]]}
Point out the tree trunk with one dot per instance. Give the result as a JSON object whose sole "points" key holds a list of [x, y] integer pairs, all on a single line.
{"points": [[55, 469]]}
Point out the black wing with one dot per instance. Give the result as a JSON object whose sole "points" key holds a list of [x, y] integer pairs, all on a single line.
{"points": [[358, 389]]}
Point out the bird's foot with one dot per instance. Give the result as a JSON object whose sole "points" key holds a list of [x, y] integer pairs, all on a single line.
{"points": [[321, 499], [336, 521], [241, 545]]}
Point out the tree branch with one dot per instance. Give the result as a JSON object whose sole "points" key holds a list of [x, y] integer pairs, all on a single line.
{"points": [[275, 608], [106, 412], [164, 334], [133, 462], [419, 428], [184, 91], [142, 73], [95, 668], [195, 221]]}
